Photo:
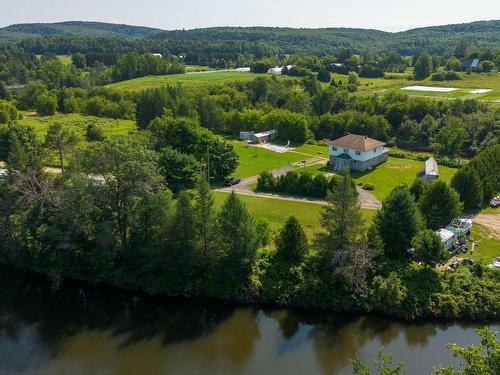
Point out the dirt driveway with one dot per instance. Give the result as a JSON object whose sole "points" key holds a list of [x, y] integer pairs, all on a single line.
{"points": [[491, 222]]}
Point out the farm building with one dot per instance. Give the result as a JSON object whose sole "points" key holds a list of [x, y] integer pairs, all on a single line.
{"points": [[430, 172], [158, 55], [469, 64], [356, 152], [275, 70], [246, 135], [264, 137]]}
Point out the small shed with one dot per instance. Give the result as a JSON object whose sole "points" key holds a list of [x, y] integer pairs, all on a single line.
{"points": [[246, 135], [264, 137], [430, 172], [275, 70]]}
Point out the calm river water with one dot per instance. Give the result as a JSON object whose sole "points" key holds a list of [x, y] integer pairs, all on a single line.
{"points": [[99, 331]]}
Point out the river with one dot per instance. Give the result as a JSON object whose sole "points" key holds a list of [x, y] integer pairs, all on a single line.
{"points": [[80, 329]]}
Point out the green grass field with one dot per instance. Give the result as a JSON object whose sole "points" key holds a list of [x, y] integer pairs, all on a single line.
{"points": [[65, 59], [467, 83], [78, 123], [488, 248], [188, 80], [387, 175], [254, 160], [277, 211]]}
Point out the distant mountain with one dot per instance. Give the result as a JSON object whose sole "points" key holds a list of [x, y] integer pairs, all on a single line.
{"points": [[18, 32], [436, 39]]}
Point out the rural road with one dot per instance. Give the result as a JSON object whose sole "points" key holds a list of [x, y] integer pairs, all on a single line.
{"points": [[366, 199]]}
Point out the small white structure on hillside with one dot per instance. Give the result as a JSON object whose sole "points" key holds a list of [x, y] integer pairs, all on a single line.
{"points": [[158, 55], [264, 137], [244, 69], [430, 172], [275, 70]]}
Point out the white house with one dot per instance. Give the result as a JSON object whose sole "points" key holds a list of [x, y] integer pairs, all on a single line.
{"points": [[158, 55], [356, 152]]}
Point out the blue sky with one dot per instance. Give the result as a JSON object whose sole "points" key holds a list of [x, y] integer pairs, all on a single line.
{"points": [[386, 15]]}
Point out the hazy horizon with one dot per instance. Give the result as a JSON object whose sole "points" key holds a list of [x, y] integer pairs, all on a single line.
{"points": [[385, 15]]}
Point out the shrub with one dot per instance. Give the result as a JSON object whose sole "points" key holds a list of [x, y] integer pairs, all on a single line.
{"points": [[46, 104], [367, 186]]}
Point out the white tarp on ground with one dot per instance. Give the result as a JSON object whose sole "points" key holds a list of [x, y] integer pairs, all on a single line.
{"points": [[481, 91], [429, 88]]}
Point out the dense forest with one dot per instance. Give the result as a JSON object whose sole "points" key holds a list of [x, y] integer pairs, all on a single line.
{"points": [[249, 40]]}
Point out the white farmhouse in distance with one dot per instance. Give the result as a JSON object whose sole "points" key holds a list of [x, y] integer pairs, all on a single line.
{"points": [[356, 152], [158, 55]]}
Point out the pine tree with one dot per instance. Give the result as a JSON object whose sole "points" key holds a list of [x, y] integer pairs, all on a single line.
{"points": [[428, 247], [398, 221], [342, 241], [291, 241], [468, 185], [440, 204], [205, 217]]}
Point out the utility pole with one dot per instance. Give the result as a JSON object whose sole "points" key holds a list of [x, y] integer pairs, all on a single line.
{"points": [[208, 164]]}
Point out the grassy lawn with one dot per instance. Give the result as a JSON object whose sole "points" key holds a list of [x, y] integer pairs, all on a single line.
{"points": [[488, 248], [188, 80], [277, 211], [254, 160], [79, 123], [387, 175], [396, 171], [467, 83]]}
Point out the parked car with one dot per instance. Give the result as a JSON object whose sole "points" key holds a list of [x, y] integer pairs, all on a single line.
{"points": [[496, 262], [495, 202], [232, 181]]}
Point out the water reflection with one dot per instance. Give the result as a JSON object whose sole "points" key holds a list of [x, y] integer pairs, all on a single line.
{"points": [[96, 330]]}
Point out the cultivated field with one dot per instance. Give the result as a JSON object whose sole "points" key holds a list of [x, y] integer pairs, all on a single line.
{"points": [[188, 80], [78, 123]]}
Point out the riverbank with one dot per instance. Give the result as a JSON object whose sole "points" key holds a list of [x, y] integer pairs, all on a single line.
{"points": [[87, 329]]}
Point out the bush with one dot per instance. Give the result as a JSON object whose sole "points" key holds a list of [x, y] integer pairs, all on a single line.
{"points": [[94, 133], [369, 187], [46, 104]]}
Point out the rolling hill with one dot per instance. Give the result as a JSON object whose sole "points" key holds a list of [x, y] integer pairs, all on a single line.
{"points": [[436, 39], [18, 32]]}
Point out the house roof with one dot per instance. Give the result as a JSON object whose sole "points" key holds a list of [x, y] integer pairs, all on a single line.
{"points": [[265, 134], [357, 142], [469, 63], [431, 167]]}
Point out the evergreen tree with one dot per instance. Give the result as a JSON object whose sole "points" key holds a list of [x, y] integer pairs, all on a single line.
{"points": [[324, 76], [342, 241], [398, 221], [291, 241], [428, 247], [417, 188], [205, 218], [468, 185], [237, 230], [440, 204], [151, 105], [183, 229]]}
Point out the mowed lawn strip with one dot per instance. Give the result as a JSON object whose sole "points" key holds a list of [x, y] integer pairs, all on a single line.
{"points": [[277, 211]]}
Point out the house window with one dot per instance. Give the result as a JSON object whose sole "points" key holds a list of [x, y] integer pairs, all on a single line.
{"points": [[346, 150], [374, 150], [358, 152], [334, 148]]}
